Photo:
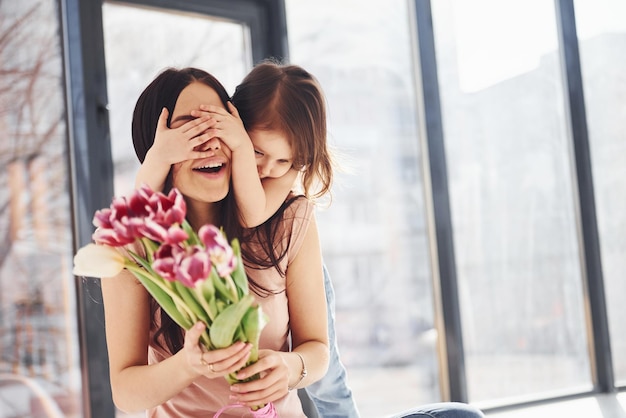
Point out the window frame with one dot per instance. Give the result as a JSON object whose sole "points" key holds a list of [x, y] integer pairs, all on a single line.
{"points": [[90, 159]]}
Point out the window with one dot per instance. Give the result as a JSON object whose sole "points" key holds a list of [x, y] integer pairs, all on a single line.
{"points": [[374, 237], [214, 45], [39, 353], [512, 199], [602, 34]]}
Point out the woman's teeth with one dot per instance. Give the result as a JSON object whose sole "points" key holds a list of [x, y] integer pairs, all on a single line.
{"points": [[210, 168]]}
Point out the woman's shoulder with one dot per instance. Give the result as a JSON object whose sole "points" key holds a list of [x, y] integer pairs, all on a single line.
{"points": [[297, 218]]}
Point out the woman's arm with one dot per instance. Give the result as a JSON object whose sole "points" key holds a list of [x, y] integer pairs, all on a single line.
{"points": [[135, 385], [309, 329], [307, 310]]}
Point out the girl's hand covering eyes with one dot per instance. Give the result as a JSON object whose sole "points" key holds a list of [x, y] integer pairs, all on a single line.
{"points": [[181, 143], [228, 126]]}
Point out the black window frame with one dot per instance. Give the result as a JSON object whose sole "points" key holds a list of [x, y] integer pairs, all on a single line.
{"points": [[90, 159]]}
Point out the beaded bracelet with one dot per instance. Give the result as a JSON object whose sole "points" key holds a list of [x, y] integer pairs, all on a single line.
{"points": [[302, 375]]}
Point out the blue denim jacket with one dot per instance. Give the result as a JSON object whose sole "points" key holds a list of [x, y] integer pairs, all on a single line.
{"points": [[331, 395]]}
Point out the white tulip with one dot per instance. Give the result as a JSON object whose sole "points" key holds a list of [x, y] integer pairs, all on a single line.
{"points": [[97, 261]]}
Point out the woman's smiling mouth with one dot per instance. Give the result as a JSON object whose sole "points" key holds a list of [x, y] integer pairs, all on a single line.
{"points": [[210, 168]]}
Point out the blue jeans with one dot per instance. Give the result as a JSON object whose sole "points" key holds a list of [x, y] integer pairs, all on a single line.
{"points": [[442, 410], [331, 395]]}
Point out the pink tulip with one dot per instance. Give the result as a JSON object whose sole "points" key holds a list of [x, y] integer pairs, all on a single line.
{"points": [[165, 261], [194, 267], [114, 227], [161, 233], [187, 265], [220, 252], [166, 210], [144, 213]]}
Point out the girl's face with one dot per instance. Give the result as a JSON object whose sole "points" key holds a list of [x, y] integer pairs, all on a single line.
{"points": [[273, 153], [205, 179]]}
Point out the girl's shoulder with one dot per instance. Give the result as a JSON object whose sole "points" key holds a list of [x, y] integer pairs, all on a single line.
{"points": [[299, 206]]}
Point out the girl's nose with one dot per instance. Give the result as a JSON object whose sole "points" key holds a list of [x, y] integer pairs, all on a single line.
{"points": [[264, 170]]}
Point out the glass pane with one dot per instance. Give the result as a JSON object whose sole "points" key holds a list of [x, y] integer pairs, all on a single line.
{"points": [[511, 191], [39, 350], [139, 43], [602, 38], [373, 234]]}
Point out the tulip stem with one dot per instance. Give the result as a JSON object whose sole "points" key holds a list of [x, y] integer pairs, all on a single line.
{"points": [[178, 302]]}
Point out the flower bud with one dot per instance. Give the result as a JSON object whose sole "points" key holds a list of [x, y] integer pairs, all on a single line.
{"points": [[94, 260]]}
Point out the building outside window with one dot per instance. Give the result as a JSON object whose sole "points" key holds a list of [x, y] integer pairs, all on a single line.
{"points": [[40, 372]]}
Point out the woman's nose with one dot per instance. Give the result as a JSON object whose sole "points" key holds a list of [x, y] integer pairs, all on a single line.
{"points": [[211, 144]]}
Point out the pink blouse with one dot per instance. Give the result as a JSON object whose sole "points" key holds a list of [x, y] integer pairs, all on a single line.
{"points": [[206, 396]]}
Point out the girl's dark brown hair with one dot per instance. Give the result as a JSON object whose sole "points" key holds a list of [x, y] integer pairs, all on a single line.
{"points": [[162, 92], [288, 99]]}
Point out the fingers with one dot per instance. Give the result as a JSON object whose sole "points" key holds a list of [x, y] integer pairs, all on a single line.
{"points": [[225, 361], [217, 110], [192, 336], [197, 142], [233, 110], [213, 121], [230, 357], [260, 397], [162, 122], [219, 114], [272, 385], [196, 126]]}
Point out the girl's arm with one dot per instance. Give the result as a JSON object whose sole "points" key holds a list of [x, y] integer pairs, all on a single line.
{"points": [[277, 190], [172, 146], [257, 200], [135, 385], [309, 330]]}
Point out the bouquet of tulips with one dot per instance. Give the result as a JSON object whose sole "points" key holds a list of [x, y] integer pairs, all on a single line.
{"points": [[193, 277]]}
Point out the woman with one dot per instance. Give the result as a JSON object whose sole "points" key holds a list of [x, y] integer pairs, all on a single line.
{"points": [[153, 365]]}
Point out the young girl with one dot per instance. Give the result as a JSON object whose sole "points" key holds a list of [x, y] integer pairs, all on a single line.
{"points": [[269, 151]]}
